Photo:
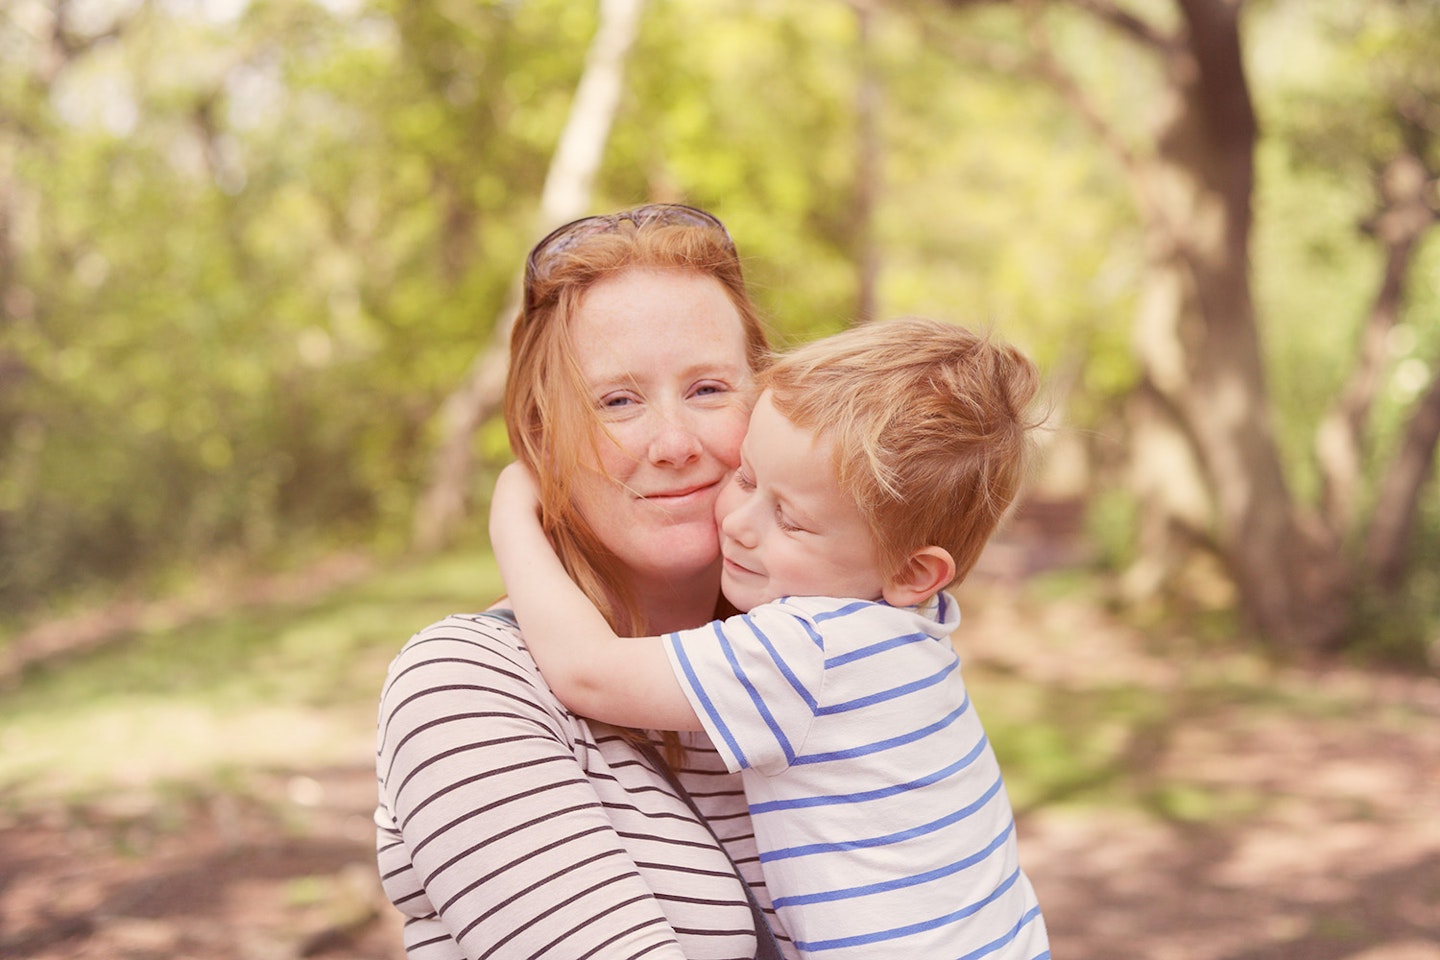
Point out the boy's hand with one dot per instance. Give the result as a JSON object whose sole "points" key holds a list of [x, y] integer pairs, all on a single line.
{"points": [[514, 504], [516, 491]]}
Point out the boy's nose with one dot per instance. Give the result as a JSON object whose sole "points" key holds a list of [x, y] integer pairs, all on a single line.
{"points": [[737, 527]]}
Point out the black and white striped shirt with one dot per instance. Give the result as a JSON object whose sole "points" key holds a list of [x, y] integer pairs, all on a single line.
{"points": [[509, 828]]}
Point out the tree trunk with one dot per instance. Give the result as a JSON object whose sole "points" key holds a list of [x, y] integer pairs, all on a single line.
{"points": [[867, 168], [1200, 349], [566, 195], [1204, 457]]}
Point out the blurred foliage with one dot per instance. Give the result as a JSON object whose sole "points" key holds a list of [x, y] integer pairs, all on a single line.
{"points": [[246, 248], [1338, 90]]}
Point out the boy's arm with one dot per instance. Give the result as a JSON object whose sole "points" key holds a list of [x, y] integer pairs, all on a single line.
{"points": [[625, 681]]}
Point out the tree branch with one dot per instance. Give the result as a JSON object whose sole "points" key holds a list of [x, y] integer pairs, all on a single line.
{"points": [[67, 45], [1399, 498], [566, 195], [1047, 65], [1052, 71], [1126, 23], [1122, 21], [1404, 218]]}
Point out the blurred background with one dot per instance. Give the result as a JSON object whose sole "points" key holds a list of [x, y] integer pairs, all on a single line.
{"points": [[257, 265]]}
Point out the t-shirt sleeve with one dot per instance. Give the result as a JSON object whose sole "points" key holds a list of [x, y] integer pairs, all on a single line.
{"points": [[754, 681]]}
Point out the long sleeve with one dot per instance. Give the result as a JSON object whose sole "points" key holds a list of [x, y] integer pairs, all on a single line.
{"points": [[507, 829]]}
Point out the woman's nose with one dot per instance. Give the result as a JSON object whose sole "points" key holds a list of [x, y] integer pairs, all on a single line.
{"points": [[674, 443]]}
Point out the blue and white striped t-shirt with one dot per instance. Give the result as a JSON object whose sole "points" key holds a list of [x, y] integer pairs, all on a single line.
{"points": [[882, 820]]}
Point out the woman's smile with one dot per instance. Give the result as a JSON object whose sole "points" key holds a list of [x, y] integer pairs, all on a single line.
{"points": [[679, 495]]}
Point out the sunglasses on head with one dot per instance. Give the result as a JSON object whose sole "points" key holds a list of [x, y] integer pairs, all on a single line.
{"points": [[545, 253]]}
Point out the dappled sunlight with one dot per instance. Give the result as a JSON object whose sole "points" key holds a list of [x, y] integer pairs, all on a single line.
{"points": [[1177, 798], [286, 679], [144, 746], [249, 251], [1234, 809]]}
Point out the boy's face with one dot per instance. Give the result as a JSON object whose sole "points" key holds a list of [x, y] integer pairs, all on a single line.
{"points": [[786, 528]]}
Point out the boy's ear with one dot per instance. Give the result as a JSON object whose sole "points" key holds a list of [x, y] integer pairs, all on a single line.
{"points": [[929, 570]]}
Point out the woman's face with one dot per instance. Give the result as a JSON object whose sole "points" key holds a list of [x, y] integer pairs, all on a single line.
{"points": [[662, 353]]}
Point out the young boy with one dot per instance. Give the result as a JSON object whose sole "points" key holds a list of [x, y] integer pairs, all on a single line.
{"points": [[876, 465]]}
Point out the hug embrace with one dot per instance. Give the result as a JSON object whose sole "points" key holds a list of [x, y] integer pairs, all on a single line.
{"points": [[753, 551]]}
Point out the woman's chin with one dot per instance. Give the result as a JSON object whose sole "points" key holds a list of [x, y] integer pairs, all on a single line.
{"points": [[680, 554]]}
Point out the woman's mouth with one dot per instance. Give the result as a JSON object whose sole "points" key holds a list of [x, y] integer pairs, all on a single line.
{"points": [[679, 493]]}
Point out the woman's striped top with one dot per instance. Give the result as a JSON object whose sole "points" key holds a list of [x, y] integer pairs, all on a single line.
{"points": [[509, 828]]}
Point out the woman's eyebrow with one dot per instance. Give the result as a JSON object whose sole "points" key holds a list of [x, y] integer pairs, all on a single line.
{"points": [[623, 373], [713, 367]]}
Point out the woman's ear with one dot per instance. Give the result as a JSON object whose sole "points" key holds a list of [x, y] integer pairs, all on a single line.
{"points": [[928, 571]]}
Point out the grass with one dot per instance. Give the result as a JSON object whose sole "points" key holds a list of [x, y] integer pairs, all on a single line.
{"points": [[1068, 748], [198, 709], [283, 686]]}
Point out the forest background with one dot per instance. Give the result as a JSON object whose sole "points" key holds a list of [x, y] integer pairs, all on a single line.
{"points": [[250, 249], [257, 259]]}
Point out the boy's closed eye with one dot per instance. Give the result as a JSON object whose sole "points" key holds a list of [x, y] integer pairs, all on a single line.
{"points": [[784, 522]]}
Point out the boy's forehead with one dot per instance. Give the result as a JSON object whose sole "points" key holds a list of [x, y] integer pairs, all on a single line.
{"points": [[766, 406], [768, 423], [800, 459]]}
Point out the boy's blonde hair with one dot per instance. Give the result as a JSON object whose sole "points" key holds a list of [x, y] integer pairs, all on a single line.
{"points": [[929, 423]]}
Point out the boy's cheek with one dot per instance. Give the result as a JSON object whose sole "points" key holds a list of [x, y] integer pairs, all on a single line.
{"points": [[727, 501]]}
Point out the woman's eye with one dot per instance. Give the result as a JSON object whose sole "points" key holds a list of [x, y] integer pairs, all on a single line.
{"points": [[710, 388], [616, 401]]}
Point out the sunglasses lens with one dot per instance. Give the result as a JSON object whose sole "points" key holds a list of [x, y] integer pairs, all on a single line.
{"points": [[568, 235]]}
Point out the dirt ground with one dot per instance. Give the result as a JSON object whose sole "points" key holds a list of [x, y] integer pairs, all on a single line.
{"points": [[1333, 852]]}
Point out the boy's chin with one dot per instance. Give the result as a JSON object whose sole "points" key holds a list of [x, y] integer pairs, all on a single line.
{"points": [[742, 599]]}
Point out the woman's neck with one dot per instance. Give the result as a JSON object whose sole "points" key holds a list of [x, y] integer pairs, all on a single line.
{"points": [[670, 605]]}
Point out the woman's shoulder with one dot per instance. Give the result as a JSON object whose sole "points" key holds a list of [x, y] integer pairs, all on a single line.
{"points": [[469, 656], [481, 637]]}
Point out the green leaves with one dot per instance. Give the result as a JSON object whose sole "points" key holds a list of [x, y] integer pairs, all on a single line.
{"points": [[243, 257]]}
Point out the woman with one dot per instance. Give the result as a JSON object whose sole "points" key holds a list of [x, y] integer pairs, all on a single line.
{"points": [[508, 827]]}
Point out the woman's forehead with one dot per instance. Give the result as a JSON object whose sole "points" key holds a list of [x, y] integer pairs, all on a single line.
{"points": [[643, 318]]}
